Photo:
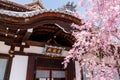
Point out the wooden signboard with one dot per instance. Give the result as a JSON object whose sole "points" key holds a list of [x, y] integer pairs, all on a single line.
{"points": [[53, 50]]}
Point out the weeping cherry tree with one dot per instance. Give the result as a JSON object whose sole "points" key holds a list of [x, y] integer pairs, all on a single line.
{"points": [[97, 45]]}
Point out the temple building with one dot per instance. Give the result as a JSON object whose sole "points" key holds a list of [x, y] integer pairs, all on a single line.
{"points": [[34, 41]]}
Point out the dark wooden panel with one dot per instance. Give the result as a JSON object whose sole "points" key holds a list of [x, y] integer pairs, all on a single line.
{"points": [[50, 63]]}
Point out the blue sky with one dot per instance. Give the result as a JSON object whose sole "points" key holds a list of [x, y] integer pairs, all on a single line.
{"points": [[49, 4]]}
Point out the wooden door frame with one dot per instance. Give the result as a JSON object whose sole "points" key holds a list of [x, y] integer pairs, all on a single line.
{"points": [[31, 71]]}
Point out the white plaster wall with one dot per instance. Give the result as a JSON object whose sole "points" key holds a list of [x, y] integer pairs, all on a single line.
{"points": [[4, 48], [34, 49], [19, 68]]}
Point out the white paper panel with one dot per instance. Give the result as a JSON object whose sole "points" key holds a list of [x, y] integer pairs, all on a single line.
{"points": [[58, 74], [3, 63], [42, 73]]}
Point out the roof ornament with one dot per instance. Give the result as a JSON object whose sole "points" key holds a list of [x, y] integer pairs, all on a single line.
{"points": [[68, 7]]}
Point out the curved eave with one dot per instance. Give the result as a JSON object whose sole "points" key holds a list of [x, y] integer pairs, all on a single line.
{"points": [[5, 4], [25, 20]]}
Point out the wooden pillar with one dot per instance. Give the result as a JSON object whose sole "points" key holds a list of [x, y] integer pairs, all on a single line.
{"points": [[31, 68], [71, 71]]}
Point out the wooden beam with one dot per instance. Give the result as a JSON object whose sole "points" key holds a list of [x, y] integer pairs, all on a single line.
{"points": [[26, 36], [6, 32], [35, 43]]}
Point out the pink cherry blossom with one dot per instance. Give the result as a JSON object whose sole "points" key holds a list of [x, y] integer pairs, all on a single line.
{"points": [[99, 36]]}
